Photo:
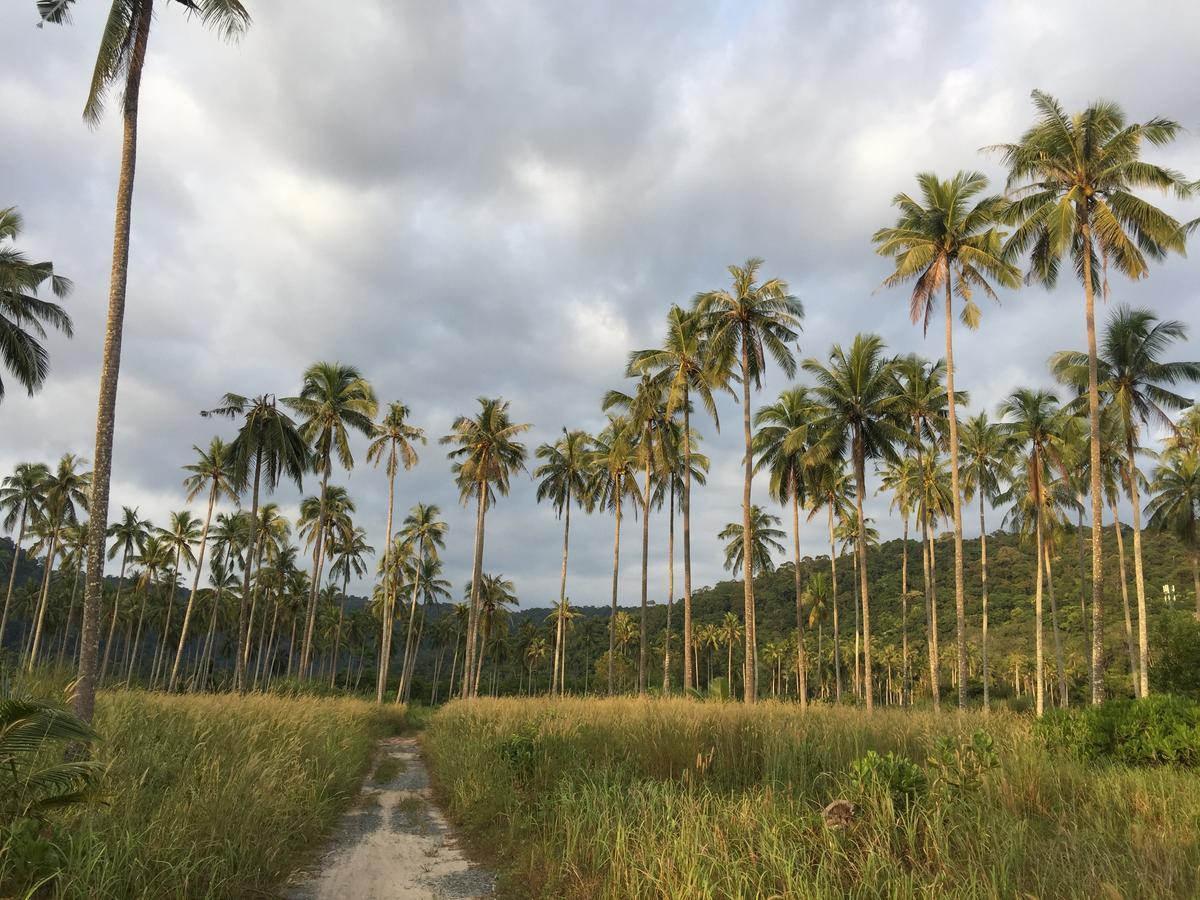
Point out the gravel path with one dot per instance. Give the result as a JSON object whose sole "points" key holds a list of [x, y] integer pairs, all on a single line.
{"points": [[395, 844]]}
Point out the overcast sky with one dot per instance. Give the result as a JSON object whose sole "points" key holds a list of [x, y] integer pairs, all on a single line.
{"points": [[503, 198]]}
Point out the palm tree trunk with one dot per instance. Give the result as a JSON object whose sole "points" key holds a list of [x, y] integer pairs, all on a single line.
{"points": [[801, 656], [409, 650], [385, 636], [473, 611], [62, 645], [960, 607], [644, 636], [453, 669], [904, 684], [857, 645], [1127, 623], [306, 649], [1059, 660], [556, 687], [12, 575], [935, 691], [612, 619], [239, 671], [160, 650], [1097, 498], [412, 665], [1082, 550], [45, 599], [1138, 577], [206, 654], [750, 663], [106, 407], [1196, 581], [337, 634], [137, 637], [689, 674], [666, 688], [1040, 700], [837, 636], [187, 612], [112, 625], [859, 492], [983, 573]]}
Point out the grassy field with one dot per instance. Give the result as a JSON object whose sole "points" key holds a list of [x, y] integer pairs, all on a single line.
{"points": [[624, 798], [209, 796]]}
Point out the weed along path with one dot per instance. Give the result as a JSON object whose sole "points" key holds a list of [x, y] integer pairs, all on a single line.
{"points": [[395, 844]]}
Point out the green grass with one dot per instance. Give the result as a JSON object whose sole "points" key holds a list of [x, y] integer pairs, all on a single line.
{"points": [[210, 796], [671, 798]]}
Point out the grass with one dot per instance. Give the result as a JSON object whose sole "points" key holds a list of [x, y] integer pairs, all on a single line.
{"points": [[210, 796], [672, 798]]}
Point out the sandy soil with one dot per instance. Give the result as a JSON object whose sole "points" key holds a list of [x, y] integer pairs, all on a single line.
{"points": [[395, 844]]}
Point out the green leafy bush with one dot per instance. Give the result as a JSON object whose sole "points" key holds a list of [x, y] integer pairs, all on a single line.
{"points": [[519, 751], [1160, 730], [961, 766], [891, 775]]}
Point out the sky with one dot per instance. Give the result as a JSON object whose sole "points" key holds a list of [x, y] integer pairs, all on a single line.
{"points": [[503, 199]]}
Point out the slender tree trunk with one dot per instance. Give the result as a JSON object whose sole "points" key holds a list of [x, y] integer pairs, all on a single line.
{"points": [[106, 407], [337, 634], [1138, 576], [239, 664], [206, 653], [860, 491], [12, 575], [62, 645], [750, 663], [187, 612], [644, 635], [453, 669], [476, 575], [983, 574], [112, 625], [935, 691], [1196, 581], [409, 649], [666, 688], [612, 620], [1082, 550], [904, 685], [385, 636], [801, 654], [1059, 659], [555, 687], [45, 599], [137, 637], [1134, 671], [857, 633], [960, 607], [160, 650], [306, 649], [1040, 700], [689, 674], [837, 636], [1097, 497]]}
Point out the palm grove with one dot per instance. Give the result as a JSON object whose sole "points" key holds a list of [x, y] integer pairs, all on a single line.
{"points": [[264, 598]]}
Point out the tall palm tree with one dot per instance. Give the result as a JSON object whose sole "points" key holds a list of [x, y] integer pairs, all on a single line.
{"points": [[131, 533], [395, 441], [1033, 422], [348, 551], [268, 446], [763, 541], [563, 481], [22, 495], [902, 478], [494, 592], [155, 559], [817, 595], [119, 63], [1137, 382], [933, 505], [729, 632], [66, 491], [1175, 506], [947, 243], [614, 460], [987, 465], [562, 616], [830, 490], [1073, 177], [747, 322], [181, 536], [22, 311], [486, 454], [334, 400], [647, 411], [857, 390], [428, 588], [684, 359], [213, 472], [423, 534]]}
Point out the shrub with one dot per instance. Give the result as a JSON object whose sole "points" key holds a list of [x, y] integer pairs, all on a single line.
{"points": [[1176, 661], [891, 775], [962, 765], [1159, 730]]}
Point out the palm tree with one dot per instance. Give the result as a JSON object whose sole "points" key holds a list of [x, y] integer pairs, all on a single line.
{"points": [[856, 389], [1073, 179], [987, 465], [1175, 506], [1033, 424], [932, 490], [267, 446], [486, 455], [395, 440], [348, 551], [428, 588], [947, 243], [494, 593], [120, 60], [613, 460], [902, 478], [729, 632], [423, 535], [817, 595], [213, 472], [131, 533], [22, 312], [1134, 379], [66, 491], [764, 539], [830, 490], [746, 323], [562, 616], [22, 495], [155, 559], [847, 533], [684, 359], [181, 535], [563, 475]]}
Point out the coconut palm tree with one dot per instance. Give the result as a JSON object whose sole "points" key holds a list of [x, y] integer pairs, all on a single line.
{"points": [[131, 533], [856, 388], [395, 441], [22, 495], [66, 492], [1033, 422], [817, 595], [494, 592], [213, 472], [684, 359], [1072, 178], [847, 534], [334, 400], [423, 537], [155, 559], [947, 243], [614, 462], [646, 409], [987, 465], [902, 478], [1175, 506], [729, 632], [23, 312], [563, 481], [348, 552], [746, 323], [1135, 380], [119, 63], [181, 535], [486, 454], [268, 446], [429, 588], [829, 489], [764, 540], [562, 616], [933, 505]]}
